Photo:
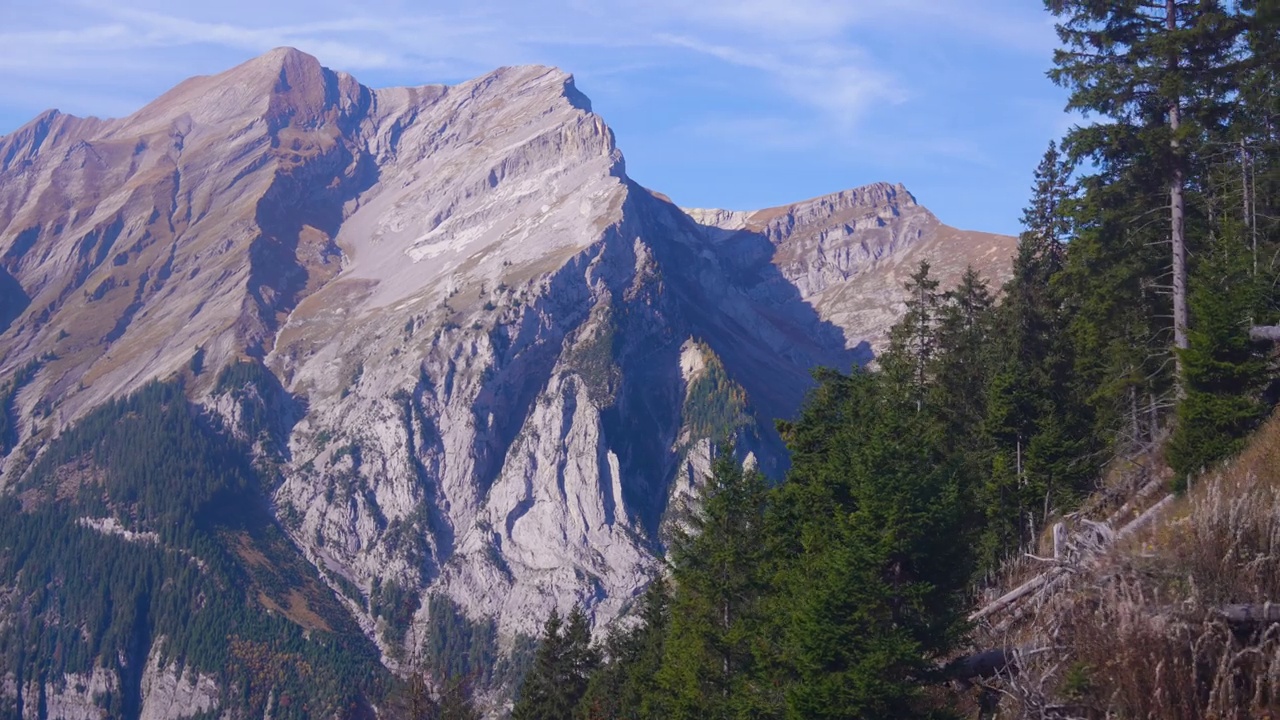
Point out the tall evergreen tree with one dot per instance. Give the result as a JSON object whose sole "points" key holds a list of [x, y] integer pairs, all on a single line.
{"points": [[709, 664], [625, 685], [1149, 67], [1046, 220], [1226, 372], [1036, 419], [962, 364], [561, 668], [913, 341], [873, 592], [1256, 128], [1151, 72]]}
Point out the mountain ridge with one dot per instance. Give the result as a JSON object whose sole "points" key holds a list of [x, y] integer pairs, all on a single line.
{"points": [[470, 358]]}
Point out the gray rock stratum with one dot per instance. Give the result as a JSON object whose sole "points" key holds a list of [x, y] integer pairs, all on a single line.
{"points": [[497, 357]]}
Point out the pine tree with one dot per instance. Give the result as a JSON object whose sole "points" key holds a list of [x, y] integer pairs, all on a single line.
{"points": [[1150, 67], [1036, 419], [913, 341], [1152, 74], [709, 669], [581, 658], [624, 687], [872, 520], [962, 364], [558, 679], [1047, 219], [1255, 125]]}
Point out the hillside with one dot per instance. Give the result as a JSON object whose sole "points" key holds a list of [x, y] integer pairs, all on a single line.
{"points": [[1162, 607]]}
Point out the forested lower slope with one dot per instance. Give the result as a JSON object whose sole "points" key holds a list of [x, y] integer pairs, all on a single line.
{"points": [[141, 542]]}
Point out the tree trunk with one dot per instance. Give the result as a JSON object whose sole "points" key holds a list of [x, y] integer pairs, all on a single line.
{"points": [[1244, 196], [1155, 418], [1265, 332], [1177, 213]]}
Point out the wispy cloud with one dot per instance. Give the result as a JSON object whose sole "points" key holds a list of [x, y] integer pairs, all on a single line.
{"points": [[127, 30], [773, 18], [808, 49], [891, 81], [116, 34], [840, 82]]}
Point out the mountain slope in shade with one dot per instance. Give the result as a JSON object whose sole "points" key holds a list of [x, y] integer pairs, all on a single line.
{"points": [[469, 357]]}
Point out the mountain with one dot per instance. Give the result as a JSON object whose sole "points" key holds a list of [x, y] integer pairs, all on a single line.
{"points": [[848, 254], [447, 366]]}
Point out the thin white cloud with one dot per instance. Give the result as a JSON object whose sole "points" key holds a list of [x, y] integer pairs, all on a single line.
{"points": [[803, 68], [774, 18], [160, 30], [350, 43], [1005, 23], [843, 83]]}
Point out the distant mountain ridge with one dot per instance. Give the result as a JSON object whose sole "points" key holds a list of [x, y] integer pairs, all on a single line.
{"points": [[849, 253], [468, 357]]}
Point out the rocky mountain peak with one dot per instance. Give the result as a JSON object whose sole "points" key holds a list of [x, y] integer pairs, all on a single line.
{"points": [[849, 252], [532, 79], [472, 336], [48, 128], [284, 87], [872, 200]]}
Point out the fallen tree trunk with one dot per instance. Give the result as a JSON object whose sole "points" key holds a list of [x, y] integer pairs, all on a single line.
{"points": [[995, 661], [1265, 333], [1145, 517], [1251, 613], [1129, 507], [1020, 613], [1035, 584], [1014, 595]]}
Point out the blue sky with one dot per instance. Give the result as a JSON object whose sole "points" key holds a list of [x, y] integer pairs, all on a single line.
{"points": [[739, 104]]}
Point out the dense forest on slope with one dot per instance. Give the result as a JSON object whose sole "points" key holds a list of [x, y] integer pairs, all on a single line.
{"points": [[1151, 248], [143, 535]]}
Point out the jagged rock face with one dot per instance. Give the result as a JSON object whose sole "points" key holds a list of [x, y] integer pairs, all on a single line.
{"points": [[199, 220], [169, 692], [496, 357], [849, 254], [75, 696]]}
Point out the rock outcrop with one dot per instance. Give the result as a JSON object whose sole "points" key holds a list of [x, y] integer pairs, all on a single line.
{"points": [[849, 254]]}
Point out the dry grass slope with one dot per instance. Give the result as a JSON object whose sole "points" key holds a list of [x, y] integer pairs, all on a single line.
{"points": [[1137, 629]]}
